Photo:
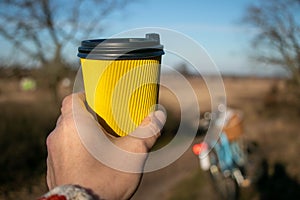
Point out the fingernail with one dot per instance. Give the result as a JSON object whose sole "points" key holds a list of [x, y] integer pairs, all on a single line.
{"points": [[160, 118]]}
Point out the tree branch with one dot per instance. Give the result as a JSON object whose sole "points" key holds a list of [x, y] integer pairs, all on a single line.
{"points": [[279, 33], [28, 22]]}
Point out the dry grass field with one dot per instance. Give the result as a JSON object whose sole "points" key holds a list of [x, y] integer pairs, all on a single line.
{"points": [[270, 122]]}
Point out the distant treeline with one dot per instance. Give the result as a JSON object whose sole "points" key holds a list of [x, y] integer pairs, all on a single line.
{"points": [[18, 72]]}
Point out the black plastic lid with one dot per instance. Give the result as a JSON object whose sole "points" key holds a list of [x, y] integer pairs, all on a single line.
{"points": [[121, 48]]}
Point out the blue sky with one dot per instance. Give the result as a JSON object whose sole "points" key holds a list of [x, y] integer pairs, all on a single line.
{"points": [[211, 23], [215, 25]]}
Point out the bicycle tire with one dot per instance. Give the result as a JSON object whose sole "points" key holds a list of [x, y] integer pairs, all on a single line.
{"points": [[231, 189], [226, 186]]}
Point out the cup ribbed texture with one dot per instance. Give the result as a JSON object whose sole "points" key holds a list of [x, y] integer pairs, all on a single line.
{"points": [[121, 92]]}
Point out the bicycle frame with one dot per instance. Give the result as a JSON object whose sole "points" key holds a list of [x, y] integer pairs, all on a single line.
{"points": [[227, 159]]}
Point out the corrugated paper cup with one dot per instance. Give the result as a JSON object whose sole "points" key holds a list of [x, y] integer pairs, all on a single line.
{"points": [[121, 79]]}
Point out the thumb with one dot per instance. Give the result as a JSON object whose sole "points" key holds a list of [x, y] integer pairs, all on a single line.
{"points": [[149, 130]]}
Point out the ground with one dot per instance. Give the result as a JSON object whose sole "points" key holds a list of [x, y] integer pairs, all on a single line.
{"points": [[272, 127], [272, 130]]}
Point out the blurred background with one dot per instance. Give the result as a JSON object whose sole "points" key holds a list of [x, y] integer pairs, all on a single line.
{"points": [[254, 44]]}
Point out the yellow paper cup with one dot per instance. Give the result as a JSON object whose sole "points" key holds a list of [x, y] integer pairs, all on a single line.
{"points": [[121, 79]]}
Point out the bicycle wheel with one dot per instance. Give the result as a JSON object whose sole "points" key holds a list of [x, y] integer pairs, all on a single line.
{"points": [[231, 188], [225, 185]]}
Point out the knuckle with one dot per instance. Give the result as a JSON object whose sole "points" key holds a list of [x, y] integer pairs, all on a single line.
{"points": [[67, 104], [49, 140], [67, 100], [140, 146]]}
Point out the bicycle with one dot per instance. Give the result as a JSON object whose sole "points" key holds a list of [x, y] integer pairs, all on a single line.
{"points": [[225, 157]]}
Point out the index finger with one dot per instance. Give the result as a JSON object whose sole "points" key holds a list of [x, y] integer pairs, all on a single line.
{"points": [[74, 103]]}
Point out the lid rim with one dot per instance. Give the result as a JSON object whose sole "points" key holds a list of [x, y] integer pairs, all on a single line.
{"points": [[119, 48], [120, 56]]}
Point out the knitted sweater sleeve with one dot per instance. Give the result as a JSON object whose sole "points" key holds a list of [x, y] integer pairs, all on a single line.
{"points": [[69, 192]]}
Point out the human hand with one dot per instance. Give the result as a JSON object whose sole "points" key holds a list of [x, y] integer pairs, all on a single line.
{"points": [[69, 162]]}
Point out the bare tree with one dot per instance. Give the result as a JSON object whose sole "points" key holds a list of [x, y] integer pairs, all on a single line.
{"points": [[43, 29], [277, 33]]}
